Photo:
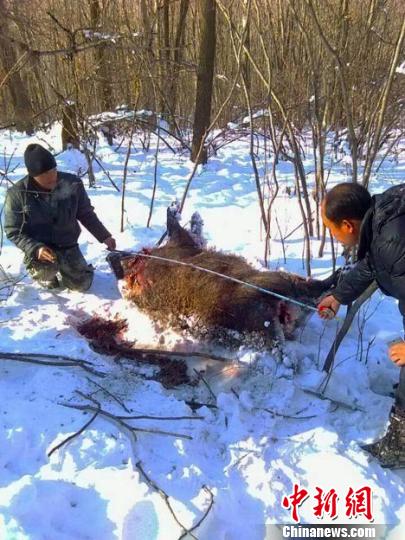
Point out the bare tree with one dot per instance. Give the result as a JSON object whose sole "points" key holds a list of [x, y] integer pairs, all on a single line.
{"points": [[205, 77], [12, 59]]}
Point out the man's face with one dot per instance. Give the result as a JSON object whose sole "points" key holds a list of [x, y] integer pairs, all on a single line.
{"points": [[347, 232], [47, 179]]}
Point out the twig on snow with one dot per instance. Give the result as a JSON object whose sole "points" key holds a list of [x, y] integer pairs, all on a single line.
{"points": [[203, 517], [121, 403], [65, 441], [199, 375], [120, 420], [51, 360], [340, 403], [152, 484]]}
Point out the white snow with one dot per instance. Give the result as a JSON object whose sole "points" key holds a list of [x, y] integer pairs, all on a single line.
{"points": [[73, 161], [252, 449], [401, 68]]}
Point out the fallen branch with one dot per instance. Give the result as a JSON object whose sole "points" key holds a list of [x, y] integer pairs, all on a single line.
{"points": [[108, 175], [200, 376], [286, 416], [65, 441], [131, 431], [274, 413], [150, 417], [210, 505], [152, 484], [51, 360], [182, 354], [336, 401], [123, 424], [108, 393], [132, 434]]}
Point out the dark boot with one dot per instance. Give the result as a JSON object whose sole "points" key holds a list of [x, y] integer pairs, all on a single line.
{"points": [[390, 450], [53, 284]]}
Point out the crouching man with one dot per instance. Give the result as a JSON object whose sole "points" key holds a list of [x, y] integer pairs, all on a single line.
{"points": [[41, 218], [377, 225]]}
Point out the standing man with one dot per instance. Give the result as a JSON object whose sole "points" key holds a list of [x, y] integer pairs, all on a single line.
{"points": [[377, 225], [41, 218]]}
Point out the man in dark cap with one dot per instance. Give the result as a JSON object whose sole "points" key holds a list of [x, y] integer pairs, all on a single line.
{"points": [[41, 218]]}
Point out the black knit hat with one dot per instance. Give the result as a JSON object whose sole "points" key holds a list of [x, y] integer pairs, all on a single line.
{"points": [[38, 160]]}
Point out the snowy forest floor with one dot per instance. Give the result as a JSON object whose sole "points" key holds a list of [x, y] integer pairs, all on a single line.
{"points": [[267, 432]]}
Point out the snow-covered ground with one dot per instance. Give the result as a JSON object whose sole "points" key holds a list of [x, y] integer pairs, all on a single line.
{"points": [[268, 431]]}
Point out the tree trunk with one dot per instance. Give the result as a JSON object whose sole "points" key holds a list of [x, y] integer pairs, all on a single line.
{"points": [[205, 77], [102, 71], [177, 57], [10, 56], [70, 130]]}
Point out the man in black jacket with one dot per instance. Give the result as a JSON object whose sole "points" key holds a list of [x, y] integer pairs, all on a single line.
{"points": [[41, 218], [377, 225]]}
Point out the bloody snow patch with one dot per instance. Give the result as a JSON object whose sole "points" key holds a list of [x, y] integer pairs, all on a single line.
{"points": [[102, 333], [106, 337]]}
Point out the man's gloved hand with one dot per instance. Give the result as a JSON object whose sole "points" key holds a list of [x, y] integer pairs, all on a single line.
{"points": [[110, 243], [45, 254], [328, 307], [397, 353]]}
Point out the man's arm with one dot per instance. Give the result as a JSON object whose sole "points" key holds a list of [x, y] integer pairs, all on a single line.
{"points": [[14, 225], [350, 287], [87, 216], [354, 282]]}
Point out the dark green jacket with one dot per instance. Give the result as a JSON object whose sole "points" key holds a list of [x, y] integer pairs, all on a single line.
{"points": [[35, 218]]}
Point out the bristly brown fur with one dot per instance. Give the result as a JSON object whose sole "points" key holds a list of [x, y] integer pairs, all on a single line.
{"points": [[174, 294]]}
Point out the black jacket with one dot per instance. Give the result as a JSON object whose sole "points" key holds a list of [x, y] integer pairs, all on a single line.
{"points": [[381, 253], [34, 218]]}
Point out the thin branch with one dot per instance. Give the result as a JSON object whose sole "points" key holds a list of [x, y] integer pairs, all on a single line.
{"points": [[149, 417], [203, 517], [182, 354], [152, 484], [86, 425], [118, 419], [50, 360], [121, 403], [199, 375], [332, 400]]}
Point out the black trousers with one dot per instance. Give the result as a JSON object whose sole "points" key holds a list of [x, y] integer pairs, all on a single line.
{"points": [[400, 397], [75, 273]]}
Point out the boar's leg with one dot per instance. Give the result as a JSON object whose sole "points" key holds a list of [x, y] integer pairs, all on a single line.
{"points": [[314, 288], [332, 281], [278, 330], [177, 234]]}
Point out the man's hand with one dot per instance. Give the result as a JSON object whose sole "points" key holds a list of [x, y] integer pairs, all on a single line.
{"points": [[45, 254], [110, 243], [397, 353], [328, 307]]}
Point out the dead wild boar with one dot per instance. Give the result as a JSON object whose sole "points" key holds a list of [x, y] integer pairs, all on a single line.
{"points": [[209, 306]]}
